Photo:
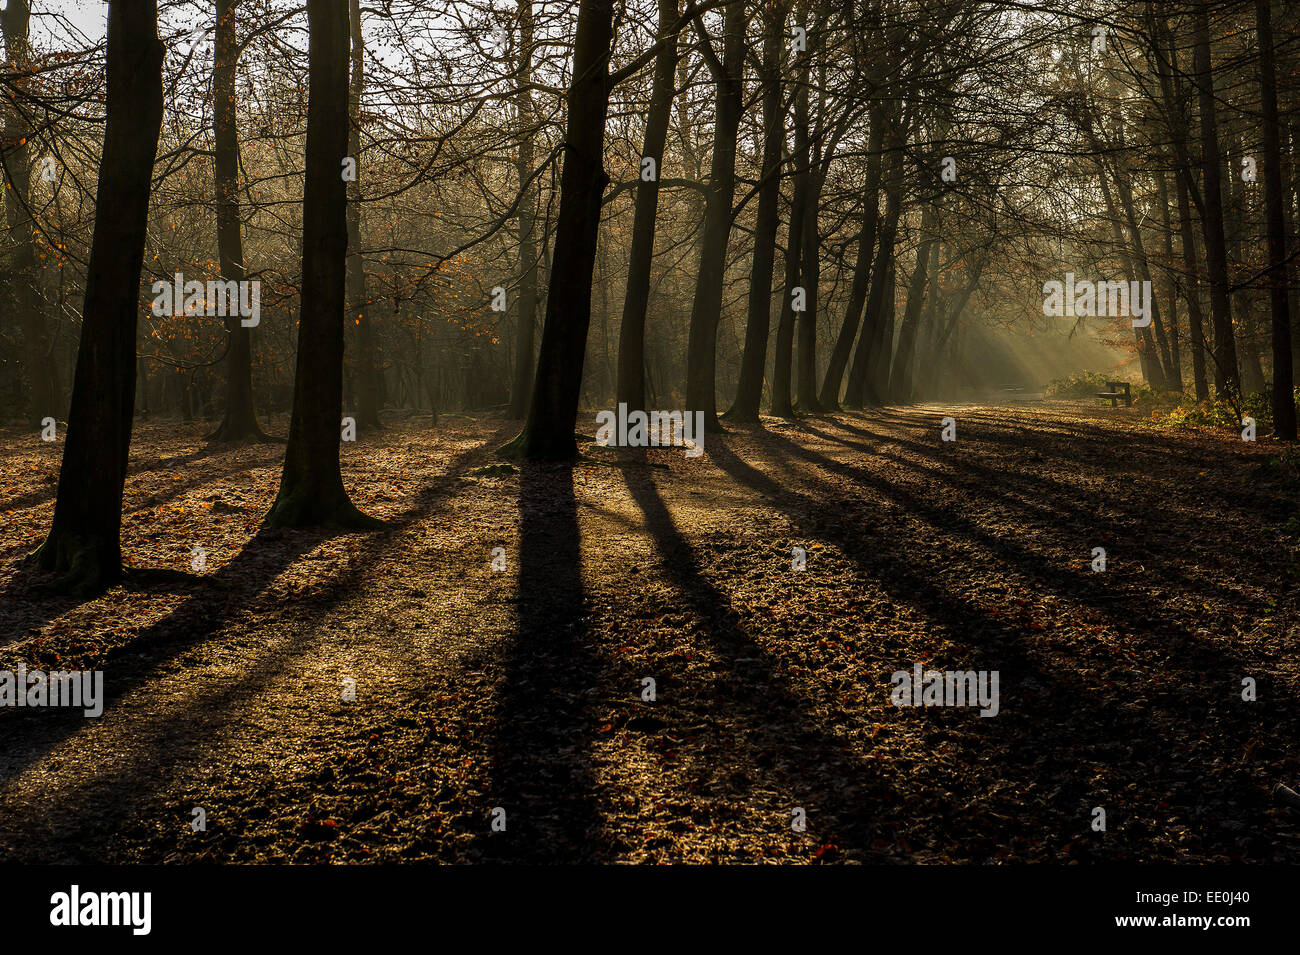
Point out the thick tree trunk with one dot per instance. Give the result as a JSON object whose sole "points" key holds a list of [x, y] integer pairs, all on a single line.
{"points": [[830, 394], [42, 397], [1284, 416], [84, 539], [311, 484], [749, 391], [630, 388], [240, 422], [553, 412], [1226, 377], [706, 308], [526, 324]]}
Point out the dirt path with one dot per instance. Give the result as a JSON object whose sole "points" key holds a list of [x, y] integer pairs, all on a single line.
{"points": [[521, 688]]}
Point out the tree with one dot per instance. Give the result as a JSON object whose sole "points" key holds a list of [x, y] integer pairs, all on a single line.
{"points": [[843, 348], [553, 412], [84, 539], [524, 115], [367, 375], [41, 391], [311, 484], [706, 308], [749, 390], [1226, 377], [240, 422], [631, 340], [1284, 417]]}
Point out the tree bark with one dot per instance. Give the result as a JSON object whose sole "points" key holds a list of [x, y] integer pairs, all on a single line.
{"points": [[526, 324], [240, 421], [42, 396], [706, 308], [630, 388], [367, 368], [900, 381], [862, 388], [1226, 376], [84, 539], [843, 348], [553, 412], [1284, 416], [311, 484], [749, 390]]}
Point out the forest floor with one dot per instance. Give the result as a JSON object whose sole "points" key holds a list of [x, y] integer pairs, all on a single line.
{"points": [[521, 688]]}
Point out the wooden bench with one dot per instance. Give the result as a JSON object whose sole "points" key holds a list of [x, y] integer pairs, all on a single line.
{"points": [[1118, 389]]}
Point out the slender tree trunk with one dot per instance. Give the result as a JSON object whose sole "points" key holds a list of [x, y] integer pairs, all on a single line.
{"points": [[240, 422], [783, 358], [830, 395], [749, 391], [42, 399], [526, 327], [900, 382], [706, 309], [861, 389], [367, 369], [1192, 266], [84, 538], [631, 340], [553, 412], [311, 484], [1226, 376], [1161, 354], [1148, 357], [1284, 416], [1171, 282]]}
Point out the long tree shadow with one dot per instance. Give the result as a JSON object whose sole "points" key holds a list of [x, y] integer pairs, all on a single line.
{"points": [[1100, 713], [541, 772], [768, 730], [29, 735], [1051, 507]]}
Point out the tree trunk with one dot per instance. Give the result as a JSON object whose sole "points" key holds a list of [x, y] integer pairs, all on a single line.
{"points": [[1149, 359], [630, 388], [1175, 368], [526, 324], [311, 484], [1226, 377], [553, 412], [861, 389], [240, 422], [1284, 417], [1192, 266], [84, 539], [749, 390], [367, 381], [706, 308], [830, 395], [42, 398], [900, 381]]}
